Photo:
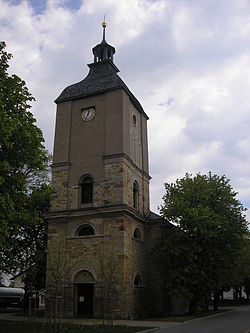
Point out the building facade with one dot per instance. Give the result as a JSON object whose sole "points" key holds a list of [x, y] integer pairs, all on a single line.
{"points": [[99, 223]]}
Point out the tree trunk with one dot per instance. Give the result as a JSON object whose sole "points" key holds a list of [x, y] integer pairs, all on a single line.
{"points": [[240, 293], [236, 294], [167, 303], [204, 303], [216, 300], [193, 306]]}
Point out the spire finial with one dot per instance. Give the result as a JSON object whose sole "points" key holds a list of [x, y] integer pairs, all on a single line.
{"points": [[103, 51], [104, 24]]}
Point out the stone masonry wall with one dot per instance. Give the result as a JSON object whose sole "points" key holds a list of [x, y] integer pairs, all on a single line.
{"points": [[130, 175], [106, 192], [152, 234], [59, 190], [135, 252], [113, 187], [55, 270], [114, 246], [117, 188]]}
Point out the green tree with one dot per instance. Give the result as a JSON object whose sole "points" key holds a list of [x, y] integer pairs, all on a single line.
{"points": [[21, 142], [170, 257], [23, 159], [211, 229], [25, 248], [241, 272]]}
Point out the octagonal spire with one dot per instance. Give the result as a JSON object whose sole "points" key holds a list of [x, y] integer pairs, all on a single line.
{"points": [[103, 51]]}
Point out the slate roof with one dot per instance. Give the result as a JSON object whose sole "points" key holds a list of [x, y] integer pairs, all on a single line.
{"points": [[102, 77], [153, 216]]}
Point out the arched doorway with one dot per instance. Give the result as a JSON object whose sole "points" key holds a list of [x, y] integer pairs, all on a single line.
{"points": [[84, 293]]}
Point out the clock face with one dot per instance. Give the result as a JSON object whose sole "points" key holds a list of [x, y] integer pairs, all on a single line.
{"points": [[88, 114]]}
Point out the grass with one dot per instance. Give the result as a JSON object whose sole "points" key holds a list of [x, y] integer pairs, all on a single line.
{"points": [[25, 327]]}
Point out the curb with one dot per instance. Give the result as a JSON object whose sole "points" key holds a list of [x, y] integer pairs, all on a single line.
{"points": [[154, 329], [211, 316]]}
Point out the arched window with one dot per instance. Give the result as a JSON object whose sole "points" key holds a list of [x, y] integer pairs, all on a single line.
{"points": [[137, 234], [86, 183], [85, 230], [135, 195], [137, 281], [84, 276]]}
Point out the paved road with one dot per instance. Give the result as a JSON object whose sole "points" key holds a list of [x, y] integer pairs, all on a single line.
{"points": [[236, 321]]}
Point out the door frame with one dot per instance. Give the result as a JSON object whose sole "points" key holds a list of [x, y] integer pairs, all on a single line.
{"points": [[76, 296]]}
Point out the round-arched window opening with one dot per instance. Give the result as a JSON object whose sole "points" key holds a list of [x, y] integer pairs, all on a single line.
{"points": [[138, 281], [134, 119], [137, 234], [135, 195], [85, 230], [86, 183]]}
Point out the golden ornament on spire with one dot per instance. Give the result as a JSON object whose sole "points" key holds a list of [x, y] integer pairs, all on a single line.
{"points": [[104, 23]]}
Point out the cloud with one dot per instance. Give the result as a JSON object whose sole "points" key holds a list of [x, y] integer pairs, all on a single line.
{"points": [[186, 61]]}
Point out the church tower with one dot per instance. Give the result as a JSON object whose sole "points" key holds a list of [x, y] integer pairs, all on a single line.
{"points": [[100, 195]]}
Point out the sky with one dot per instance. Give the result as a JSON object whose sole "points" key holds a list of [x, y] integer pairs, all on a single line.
{"points": [[187, 62]]}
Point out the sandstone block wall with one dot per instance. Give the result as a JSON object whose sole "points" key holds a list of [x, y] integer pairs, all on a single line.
{"points": [[113, 149], [59, 190], [113, 238]]}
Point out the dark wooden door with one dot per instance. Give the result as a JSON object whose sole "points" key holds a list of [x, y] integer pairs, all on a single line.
{"points": [[85, 299]]}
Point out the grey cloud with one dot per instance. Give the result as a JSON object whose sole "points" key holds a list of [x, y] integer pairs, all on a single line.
{"points": [[187, 59]]}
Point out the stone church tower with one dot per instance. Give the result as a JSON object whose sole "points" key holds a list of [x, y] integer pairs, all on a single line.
{"points": [[99, 212]]}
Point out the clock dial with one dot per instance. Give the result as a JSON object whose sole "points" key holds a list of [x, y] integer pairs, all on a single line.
{"points": [[88, 114]]}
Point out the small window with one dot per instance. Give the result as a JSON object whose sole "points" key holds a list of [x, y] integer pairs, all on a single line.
{"points": [[138, 281], [134, 119], [135, 195], [137, 234], [85, 230], [86, 189]]}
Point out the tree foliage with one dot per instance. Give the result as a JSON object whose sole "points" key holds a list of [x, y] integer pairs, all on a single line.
{"points": [[241, 272], [24, 193], [198, 256]]}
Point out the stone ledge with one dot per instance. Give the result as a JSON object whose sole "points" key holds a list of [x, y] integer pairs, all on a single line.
{"points": [[84, 237]]}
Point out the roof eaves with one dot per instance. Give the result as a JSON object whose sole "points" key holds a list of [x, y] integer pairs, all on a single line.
{"points": [[132, 98]]}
